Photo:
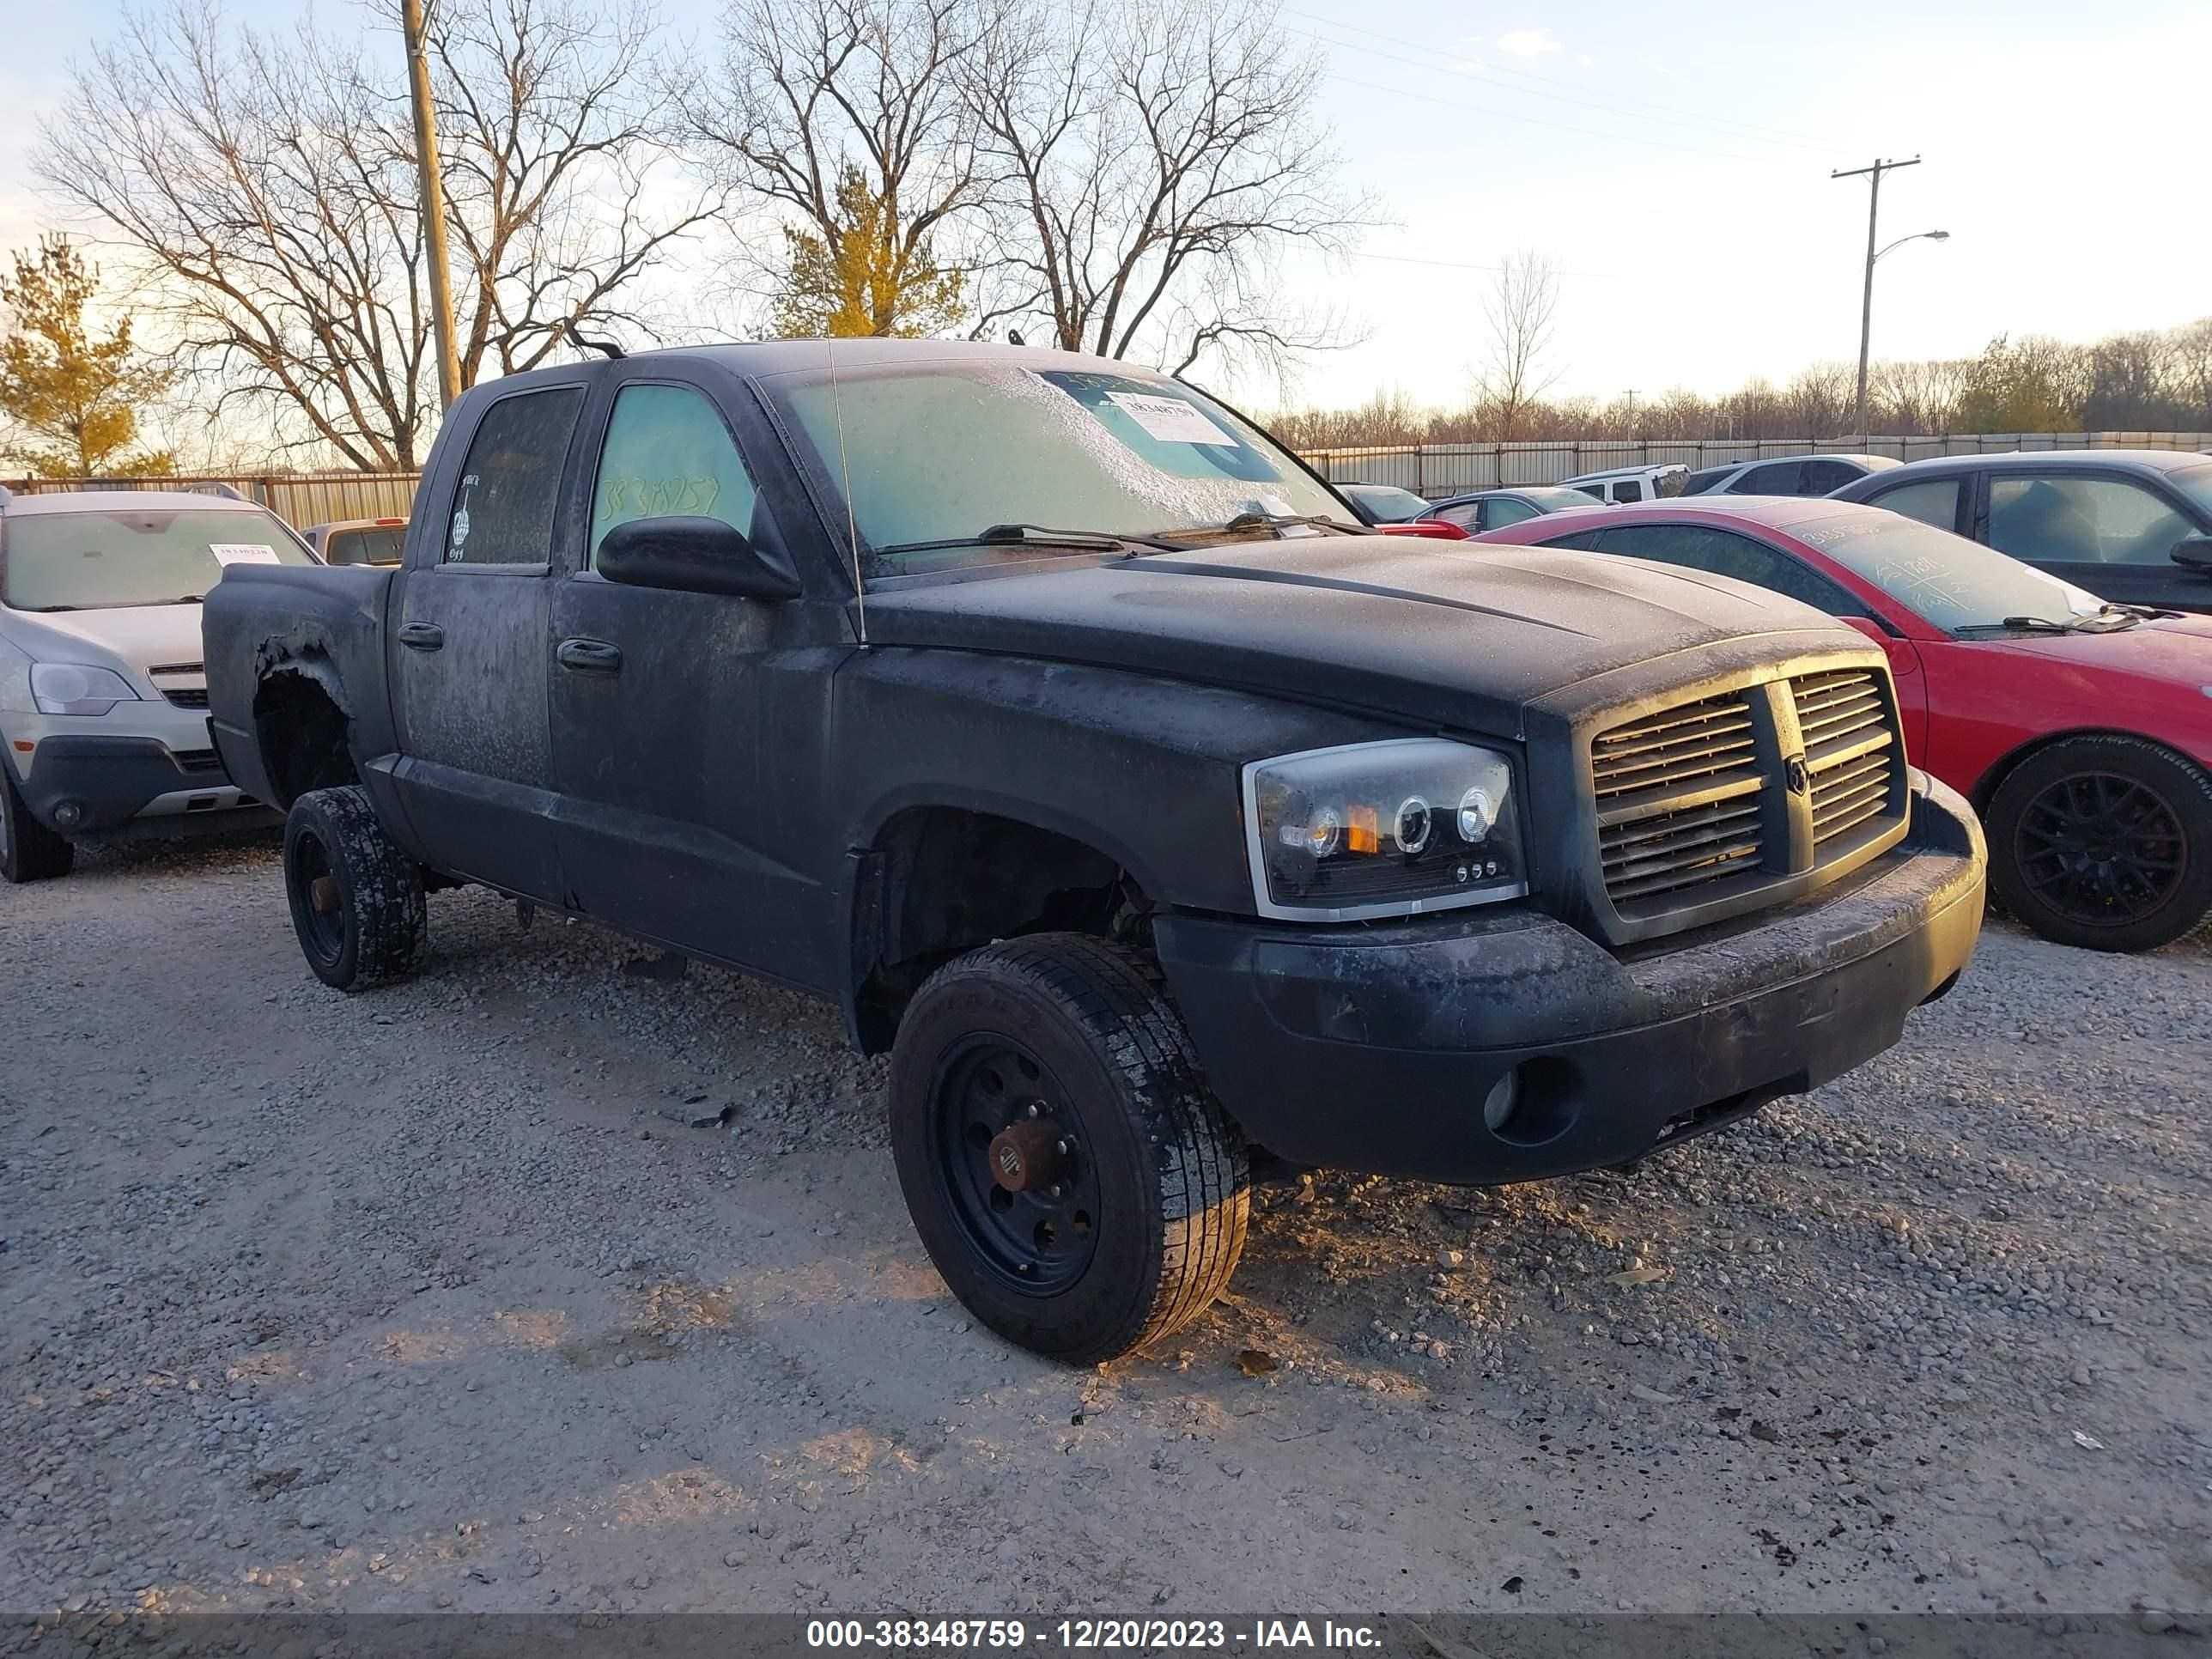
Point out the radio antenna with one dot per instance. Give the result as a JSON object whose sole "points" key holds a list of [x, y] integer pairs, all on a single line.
{"points": [[845, 483]]}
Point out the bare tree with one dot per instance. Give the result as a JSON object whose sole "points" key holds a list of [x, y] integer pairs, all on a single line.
{"points": [[1919, 397], [1150, 167], [265, 185], [1520, 313], [847, 115], [1820, 399]]}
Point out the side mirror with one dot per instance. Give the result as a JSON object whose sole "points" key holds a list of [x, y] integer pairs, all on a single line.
{"points": [[692, 555], [2194, 553]]}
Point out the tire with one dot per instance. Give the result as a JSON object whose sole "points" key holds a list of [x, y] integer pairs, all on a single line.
{"points": [[1144, 1217], [2104, 842], [28, 850], [366, 926]]}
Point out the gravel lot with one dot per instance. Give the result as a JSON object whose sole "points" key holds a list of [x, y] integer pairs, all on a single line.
{"points": [[436, 1297]]}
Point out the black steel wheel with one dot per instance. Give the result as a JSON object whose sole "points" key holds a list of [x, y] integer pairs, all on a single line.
{"points": [[28, 850], [2105, 843], [355, 896], [1071, 1178], [1013, 1155]]}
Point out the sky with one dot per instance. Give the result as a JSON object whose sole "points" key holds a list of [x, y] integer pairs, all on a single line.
{"points": [[1673, 162]]}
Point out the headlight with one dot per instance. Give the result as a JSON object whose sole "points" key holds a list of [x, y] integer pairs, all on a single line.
{"points": [[68, 688], [1382, 829]]}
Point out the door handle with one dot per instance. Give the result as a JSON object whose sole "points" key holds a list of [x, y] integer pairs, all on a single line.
{"points": [[422, 635], [590, 657]]}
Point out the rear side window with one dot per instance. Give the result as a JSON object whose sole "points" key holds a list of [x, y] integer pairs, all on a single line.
{"points": [[1772, 478], [1628, 490], [1933, 502], [510, 488], [1722, 553], [1504, 510], [1463, 515], [1823, 475], [1698, 482], [668, 455]]}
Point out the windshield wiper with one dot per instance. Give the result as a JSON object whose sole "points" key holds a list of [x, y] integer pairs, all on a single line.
{"points": [[1033, 535], [2096, 625], [1280, 521]]}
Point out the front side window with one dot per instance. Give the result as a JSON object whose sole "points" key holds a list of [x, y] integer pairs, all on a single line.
{"points": [[1628, 490], [942, 452], [1933, 502], [669, 455], [107, 561], [1706, 479], [510, 486], [2063, 520], [1722, 553]]}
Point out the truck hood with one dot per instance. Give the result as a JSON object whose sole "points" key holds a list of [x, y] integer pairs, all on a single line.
{"points": [[1387, 625], [132, 637]]}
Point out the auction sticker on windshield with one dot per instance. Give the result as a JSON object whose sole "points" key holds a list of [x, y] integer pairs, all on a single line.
{"points": [[1169, 420], [230, 553]]}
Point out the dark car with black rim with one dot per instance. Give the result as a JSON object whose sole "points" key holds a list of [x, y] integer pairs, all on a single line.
{"points": [[1170, 826]]}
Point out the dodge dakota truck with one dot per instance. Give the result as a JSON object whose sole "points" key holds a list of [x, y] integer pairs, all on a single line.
{"points": [[1163, 822]]}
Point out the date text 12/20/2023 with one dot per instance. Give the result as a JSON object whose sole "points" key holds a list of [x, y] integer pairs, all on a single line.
{"points": [[1076, 1635]]}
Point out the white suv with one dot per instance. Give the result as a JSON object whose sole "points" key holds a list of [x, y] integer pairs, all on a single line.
{"points": [[103, 702], [1630, 483]]}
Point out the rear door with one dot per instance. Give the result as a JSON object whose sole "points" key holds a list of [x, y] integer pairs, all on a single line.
{"points": [[685, 725], [468, 644], [2111, 534]]}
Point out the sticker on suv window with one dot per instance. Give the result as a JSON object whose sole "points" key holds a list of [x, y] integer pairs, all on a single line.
{"points": [[230, 553], [1169, 420]]}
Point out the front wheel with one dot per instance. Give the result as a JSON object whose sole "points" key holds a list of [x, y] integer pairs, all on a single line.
{"points": [[28, 850], [2105, 843], [356, 897], [1070, 1174]]}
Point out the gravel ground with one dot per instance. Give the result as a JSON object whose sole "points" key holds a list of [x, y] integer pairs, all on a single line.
{"points": [[436, 1297]]}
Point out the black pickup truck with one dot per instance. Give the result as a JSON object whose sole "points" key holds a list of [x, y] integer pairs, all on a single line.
{"points": [[1163, 820]]}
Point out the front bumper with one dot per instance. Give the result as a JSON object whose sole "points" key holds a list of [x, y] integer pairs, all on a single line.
{"points": [[1374, 1049], [85, 786]]}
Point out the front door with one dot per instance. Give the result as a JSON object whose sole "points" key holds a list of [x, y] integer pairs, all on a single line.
{"points": [[676, 716], [468, 650], [2113, 536]]}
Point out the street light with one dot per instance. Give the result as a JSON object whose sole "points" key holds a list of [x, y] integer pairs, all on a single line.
{"points": [[1866, 310]]}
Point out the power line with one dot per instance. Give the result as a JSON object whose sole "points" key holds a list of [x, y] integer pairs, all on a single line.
{"points": [[1464, 265], [1487, 73]]}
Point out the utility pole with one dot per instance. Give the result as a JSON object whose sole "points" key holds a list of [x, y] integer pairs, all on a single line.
{"points": [[434, 202], [1866, 303]]}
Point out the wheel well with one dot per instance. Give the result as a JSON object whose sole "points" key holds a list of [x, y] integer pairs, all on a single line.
{"points": [[941, 880], [302, 731], [1986, 786]]}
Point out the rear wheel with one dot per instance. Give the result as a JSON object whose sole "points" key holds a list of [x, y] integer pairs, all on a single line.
{"points": [[2104, 842], [356, 897], [1071, 1177], [28, 850]]}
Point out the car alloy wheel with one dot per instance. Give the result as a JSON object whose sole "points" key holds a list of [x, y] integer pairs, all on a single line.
{"points": [[2101, 850]]}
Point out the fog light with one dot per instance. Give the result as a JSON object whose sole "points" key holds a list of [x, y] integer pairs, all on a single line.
{"points": [[69, 815], [1497, 1106]]}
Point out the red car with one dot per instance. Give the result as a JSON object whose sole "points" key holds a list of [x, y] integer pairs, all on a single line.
{"points": [[2082, 732]]}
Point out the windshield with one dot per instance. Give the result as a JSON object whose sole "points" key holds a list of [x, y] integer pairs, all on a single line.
{"points": [[2195, 482], [1386, 503], [940, 451], [1953, 582], [107, 559], [378, 544], [1554, 498]]}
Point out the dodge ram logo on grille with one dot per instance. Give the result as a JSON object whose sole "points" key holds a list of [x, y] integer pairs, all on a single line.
{"points": [[1796, 775]]}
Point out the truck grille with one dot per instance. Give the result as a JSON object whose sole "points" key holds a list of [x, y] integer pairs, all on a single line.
{"points": [[182, 696], [1678, 799], [1849, 750], [1695, 803]]}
